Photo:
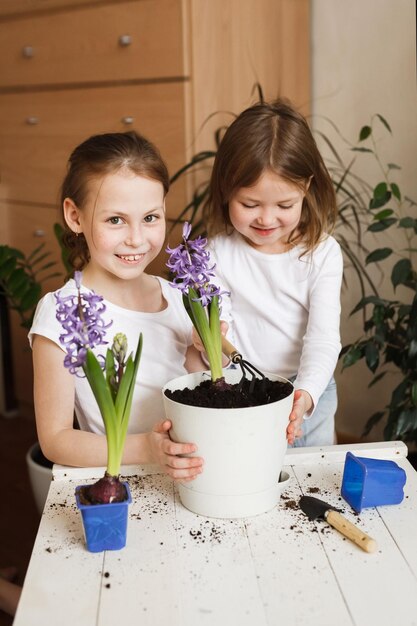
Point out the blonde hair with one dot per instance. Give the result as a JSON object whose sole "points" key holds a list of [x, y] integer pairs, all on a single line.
{"points": [[276, 137]]}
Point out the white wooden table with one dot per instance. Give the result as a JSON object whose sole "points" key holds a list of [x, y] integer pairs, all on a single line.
{"points": [[186, 570]]}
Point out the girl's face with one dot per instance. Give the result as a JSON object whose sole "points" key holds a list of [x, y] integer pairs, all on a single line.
{"points": [[266, 213], [123, 221]]}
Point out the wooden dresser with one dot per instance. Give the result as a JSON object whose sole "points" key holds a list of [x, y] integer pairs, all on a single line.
{"points": [[73, 68]]}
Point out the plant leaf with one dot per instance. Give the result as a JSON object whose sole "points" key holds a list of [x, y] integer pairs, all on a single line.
{"points": [[372, 356], [414, 393], [396, 191], [384, 121], [372, 421], [381, 225], [378, 255], [376, 379], [401, 272], [354, 354], [382, 215], [407, 222], [364, 132]]}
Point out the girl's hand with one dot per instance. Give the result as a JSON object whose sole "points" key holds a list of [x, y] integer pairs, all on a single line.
{"points": [[302, 404], [167, 453], [224, 327]]}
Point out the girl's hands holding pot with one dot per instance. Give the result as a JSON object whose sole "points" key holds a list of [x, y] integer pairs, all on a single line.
{"points": [[167, 454], [302, 405]]}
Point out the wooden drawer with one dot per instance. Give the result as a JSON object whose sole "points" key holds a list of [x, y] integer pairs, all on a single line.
{"points": [[17, 7], [83, 45], [30, 226], [33, 156]]}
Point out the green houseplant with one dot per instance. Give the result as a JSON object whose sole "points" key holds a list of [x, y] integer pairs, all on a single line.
{"points": [[389, 324], [21, 279]]}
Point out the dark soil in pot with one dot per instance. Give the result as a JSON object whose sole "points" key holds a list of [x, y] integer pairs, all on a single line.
{"points": [[221, 395]]}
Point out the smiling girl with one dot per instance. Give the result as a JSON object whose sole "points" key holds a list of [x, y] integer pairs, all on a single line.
{"points": [[113, 200], [271, 208]]}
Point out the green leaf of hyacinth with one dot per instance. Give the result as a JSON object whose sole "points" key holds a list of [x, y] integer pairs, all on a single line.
{"points": [[393, 166], [127, 385], [384, 121], [102, 394], [198, 316], [110, 371], [364, 132], [401, 272], [378, 255], [214, 321]]}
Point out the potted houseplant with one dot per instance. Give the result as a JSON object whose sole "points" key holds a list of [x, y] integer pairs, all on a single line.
{"points": [[104, 503], [242, 441], [389, 337], [21, 280]]}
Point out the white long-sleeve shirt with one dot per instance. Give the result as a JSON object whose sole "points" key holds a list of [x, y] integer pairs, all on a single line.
{"points": [[283, 311]]}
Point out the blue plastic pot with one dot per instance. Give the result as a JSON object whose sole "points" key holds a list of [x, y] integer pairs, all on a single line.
{"points": [[372, 482], [105, 525]]}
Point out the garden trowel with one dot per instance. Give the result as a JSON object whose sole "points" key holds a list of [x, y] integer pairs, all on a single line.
{"points": [[315, 508]]}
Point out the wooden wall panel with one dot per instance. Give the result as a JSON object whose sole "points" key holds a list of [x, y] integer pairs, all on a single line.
{"points": [[236, 44]]}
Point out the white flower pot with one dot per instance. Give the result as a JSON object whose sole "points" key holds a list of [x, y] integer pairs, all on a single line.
{"points": [[243, 451], [40, 476]]}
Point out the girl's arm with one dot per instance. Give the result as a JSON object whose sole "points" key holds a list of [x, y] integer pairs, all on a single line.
{"points": [[61, 443]]}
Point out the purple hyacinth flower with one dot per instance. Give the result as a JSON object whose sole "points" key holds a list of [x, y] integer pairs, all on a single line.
{"points": [[81, 317], [190, 263]]}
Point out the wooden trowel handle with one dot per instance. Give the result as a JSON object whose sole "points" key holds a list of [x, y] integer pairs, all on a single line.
{"points": [[351, 531], [230, 351]]}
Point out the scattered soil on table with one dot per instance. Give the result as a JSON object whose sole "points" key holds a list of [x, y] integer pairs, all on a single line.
{"points": [[221, 395], [291, 504]]}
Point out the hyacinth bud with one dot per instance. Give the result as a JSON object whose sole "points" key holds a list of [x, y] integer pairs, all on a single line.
{"points": [[119, 347]]}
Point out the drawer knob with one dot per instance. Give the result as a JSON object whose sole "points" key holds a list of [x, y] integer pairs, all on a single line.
{"points": [[28, 52], [39, 232], [128, 120], [32, 120], [125, 40]]}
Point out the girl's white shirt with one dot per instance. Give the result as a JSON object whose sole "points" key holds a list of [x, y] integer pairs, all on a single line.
{"points": [[166, 337], [283, 310]]}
